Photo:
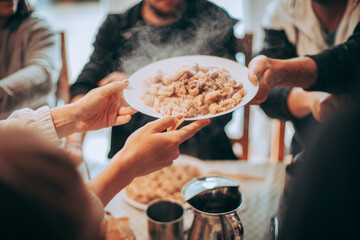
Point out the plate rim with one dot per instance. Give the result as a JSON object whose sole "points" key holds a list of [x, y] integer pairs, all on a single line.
{"points": [[127, 91]]}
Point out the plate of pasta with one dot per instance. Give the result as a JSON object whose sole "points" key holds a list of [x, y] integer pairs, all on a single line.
{"points": [[195, 86], [162, 184]]}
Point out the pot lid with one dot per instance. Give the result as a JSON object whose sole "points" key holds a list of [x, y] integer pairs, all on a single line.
{"points": [[204, 183]]}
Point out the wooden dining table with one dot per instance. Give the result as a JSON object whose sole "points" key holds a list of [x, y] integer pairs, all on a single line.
{"points": [[260, 184]]}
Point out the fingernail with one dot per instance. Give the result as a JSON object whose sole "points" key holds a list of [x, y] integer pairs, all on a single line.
{"points": [[179, 116]]}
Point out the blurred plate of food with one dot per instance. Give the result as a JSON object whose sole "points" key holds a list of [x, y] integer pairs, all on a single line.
{"points": [[195, 86], [163, 184]]}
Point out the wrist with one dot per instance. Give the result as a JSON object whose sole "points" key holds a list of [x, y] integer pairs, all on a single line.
{"points": [[277, 68], [124, 162], [295, 72], [75, 112], [64, 120], [117, 175]]}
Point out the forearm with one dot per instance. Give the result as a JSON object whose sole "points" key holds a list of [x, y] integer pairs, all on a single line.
{"points": [[24, 87], [75, 139], [296, 72], [113, 179]]}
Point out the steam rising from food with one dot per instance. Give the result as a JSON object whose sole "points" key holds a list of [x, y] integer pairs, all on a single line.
{"points": [[193, 35]]}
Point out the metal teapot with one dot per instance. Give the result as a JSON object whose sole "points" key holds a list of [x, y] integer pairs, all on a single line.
{"points": [[214, 200]]}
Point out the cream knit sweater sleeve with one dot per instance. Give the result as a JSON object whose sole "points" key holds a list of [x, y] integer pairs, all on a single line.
{"points": [[39, 121]]}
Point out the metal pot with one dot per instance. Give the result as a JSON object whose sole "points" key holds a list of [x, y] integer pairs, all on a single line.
{"points": [[215, 200]]}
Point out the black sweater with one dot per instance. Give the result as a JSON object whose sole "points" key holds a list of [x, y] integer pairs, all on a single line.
{"points": [[125, 43]]}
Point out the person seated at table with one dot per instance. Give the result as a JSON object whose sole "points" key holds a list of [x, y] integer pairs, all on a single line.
{"points": [[30, 58], [299, 28], [329, 162], [42, 193], [153, 30]]}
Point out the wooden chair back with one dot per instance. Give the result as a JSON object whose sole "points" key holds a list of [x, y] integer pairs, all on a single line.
{"points": [[63, 85], [244, 45], [277, 144]]}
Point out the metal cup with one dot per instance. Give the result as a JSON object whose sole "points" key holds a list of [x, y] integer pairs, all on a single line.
{"points": [[165, 220]]}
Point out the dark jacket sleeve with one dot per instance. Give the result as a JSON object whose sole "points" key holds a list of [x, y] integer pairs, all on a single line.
{"points": [[339, 66], [101, 60], [277, 45], [275, 105]]}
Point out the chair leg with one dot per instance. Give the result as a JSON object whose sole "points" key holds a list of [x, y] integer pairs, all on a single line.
{"points": [[278, 142]]}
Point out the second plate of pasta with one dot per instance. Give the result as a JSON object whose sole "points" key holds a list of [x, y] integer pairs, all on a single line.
{"points": [[195, 86]]}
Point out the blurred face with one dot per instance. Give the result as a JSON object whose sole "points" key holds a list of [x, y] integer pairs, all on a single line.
{"points": [[8, 7], [40, 181], [165, 8]]}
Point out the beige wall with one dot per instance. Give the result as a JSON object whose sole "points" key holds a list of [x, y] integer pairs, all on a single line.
{"points": [[119, 5], [253, 12]]}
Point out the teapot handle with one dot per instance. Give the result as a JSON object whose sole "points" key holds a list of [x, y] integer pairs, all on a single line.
{"points": [[236, 224]]}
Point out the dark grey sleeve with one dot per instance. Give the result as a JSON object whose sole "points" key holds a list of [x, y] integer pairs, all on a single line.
{"points": [[275, 105], [339, 66]]}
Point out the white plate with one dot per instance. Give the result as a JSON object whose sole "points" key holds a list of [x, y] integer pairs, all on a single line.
{"points": [[132, 202], [132, 93], [184, 160]]}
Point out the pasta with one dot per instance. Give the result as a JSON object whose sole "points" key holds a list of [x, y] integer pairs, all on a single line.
{"points": [[193, 91], [162, 184]]}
